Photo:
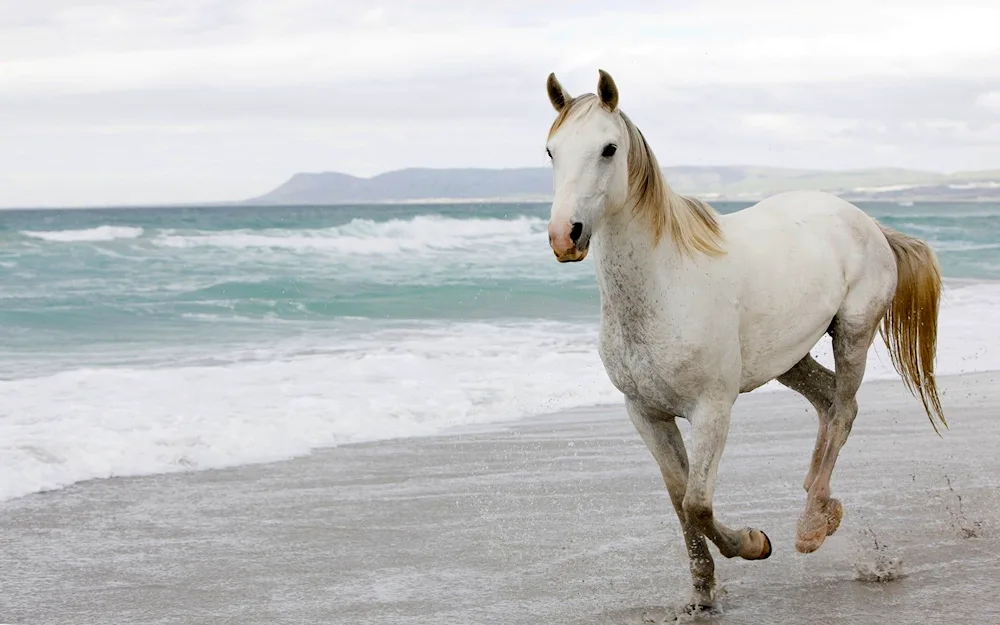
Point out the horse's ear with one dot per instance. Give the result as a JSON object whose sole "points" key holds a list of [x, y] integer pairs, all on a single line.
{"points": [[557, 95], [607, 90]]}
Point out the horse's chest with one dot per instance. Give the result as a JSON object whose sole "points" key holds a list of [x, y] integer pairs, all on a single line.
{"points": [[640, 368]]}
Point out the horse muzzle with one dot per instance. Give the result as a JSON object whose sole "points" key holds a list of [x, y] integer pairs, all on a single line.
{"points": [[568, 241]]}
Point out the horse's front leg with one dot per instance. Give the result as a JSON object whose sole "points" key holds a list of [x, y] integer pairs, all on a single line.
{"points": [[709, 429], [664, 440]]}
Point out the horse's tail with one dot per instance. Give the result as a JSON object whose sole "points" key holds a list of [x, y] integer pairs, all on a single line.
{"points": [[909, 327]]}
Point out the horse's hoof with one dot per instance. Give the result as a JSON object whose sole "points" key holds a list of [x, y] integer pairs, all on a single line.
{"points": [[834, 513], [760, 548], [811, 540], [767, 547], [815, 525], [809, 543], [811, 533]]}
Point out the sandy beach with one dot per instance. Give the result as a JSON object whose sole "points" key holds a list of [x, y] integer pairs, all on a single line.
{"points": [[557, 519]]}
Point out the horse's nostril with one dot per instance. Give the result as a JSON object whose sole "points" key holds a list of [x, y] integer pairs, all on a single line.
{"points": [[575, 233]]}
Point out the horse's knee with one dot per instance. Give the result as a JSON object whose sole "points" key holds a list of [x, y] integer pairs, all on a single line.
{"points": [[698, 513], [844, 413], [846, 407]]}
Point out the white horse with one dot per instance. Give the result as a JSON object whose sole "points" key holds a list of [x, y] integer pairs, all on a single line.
{"points": [[698, 307]]}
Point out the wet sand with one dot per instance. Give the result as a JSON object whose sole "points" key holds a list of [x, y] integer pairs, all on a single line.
{"points": [[558, 519]]}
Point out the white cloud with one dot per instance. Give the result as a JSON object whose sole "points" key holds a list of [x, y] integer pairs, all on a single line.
{"points": [[240, 95], [990, 100], [301, 43], [798, 129]]}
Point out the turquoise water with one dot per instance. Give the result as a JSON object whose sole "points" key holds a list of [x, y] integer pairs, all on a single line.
{"points": [[122, 279], [162, 335], [112, 280]]}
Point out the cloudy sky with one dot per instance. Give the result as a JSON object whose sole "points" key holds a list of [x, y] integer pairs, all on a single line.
{"points": [[144, 101]]}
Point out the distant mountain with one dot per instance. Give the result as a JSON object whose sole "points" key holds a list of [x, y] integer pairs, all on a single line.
{"points": [[411, 184], [746, 183]]}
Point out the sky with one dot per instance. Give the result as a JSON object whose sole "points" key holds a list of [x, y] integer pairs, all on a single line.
{"points": [[162, 101]]}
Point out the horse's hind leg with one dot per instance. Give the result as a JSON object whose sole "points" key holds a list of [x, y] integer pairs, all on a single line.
{"points": [[852, 336], [817, 384], [664, 441]]}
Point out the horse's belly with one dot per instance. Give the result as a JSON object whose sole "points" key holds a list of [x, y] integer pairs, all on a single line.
{"points": [[764, 363], [775, 338]]}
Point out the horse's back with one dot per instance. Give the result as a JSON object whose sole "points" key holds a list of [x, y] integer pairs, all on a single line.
{"points": [[799, 232], [806, 213], [800, 257]]}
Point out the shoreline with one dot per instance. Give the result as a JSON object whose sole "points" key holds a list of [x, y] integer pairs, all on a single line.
{"points": [[487, 428], [131, 424], [561, 519]]}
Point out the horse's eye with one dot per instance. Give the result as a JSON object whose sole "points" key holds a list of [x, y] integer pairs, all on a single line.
{"points": [[609, 150], [549, 152]]}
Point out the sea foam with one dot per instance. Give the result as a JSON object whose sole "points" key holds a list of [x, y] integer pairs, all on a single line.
{"points": [[99, 233], [100, 422], [423, 233]]}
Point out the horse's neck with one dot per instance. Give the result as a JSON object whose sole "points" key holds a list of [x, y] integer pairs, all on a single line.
{"points": [[632, 272]]}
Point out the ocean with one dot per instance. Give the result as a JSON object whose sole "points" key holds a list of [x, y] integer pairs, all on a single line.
{"points": [[146, 340]]}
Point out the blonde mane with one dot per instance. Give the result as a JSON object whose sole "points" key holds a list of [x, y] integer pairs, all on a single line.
{"points": [[693, 224]]}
